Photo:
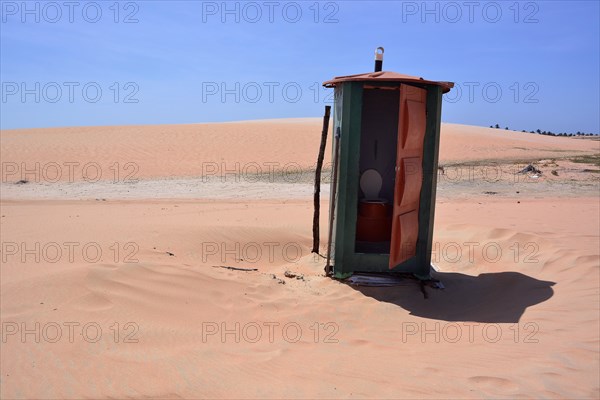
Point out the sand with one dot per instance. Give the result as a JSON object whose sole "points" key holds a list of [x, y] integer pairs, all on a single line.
{"points": [[288, 146], [129, 272]]}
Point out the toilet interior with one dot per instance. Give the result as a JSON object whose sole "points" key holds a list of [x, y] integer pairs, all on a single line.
{"points": [[378, 142]]}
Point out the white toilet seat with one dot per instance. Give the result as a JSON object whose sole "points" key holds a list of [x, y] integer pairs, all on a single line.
{"points": [[371, 183]]}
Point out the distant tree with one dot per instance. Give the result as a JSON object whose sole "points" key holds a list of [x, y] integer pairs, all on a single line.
{"points": [[570, 134], [578, 132], [497, 126], [532, 132], [524, 131], [506, 128], [538, 131], [491, 126]]}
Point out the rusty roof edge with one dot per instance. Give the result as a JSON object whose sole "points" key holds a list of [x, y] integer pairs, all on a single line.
{"points": [[374, 76]]}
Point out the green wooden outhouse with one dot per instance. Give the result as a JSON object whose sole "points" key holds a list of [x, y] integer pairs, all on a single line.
{"points": [[385, 152]]}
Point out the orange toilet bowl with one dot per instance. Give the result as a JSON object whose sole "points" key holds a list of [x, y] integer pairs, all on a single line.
{"points": [[374, 221]]}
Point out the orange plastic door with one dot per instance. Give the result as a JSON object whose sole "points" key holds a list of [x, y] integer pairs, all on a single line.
{"points": [[409, 174]]}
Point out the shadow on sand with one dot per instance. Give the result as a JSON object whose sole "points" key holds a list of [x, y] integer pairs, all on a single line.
{"points": [[489, 298]]}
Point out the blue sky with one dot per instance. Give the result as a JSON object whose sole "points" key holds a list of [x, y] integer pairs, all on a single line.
{"points": [[526, 65]]}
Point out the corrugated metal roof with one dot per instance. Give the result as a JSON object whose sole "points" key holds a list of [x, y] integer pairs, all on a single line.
{"points": [[383, 76]]}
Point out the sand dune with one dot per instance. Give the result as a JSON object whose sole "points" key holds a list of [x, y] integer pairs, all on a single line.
{"points": [[461, 143], [518, 317], [121, 153]]}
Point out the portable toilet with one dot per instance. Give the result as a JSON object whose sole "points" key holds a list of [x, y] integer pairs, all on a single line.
{"points": [[385, 152]]}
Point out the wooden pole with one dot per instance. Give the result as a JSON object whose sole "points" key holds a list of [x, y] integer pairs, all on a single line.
{"points": [[317, 198], [336, 152]]}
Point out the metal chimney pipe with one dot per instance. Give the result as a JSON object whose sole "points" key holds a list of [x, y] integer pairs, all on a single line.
{"points": [[378, 59]]}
